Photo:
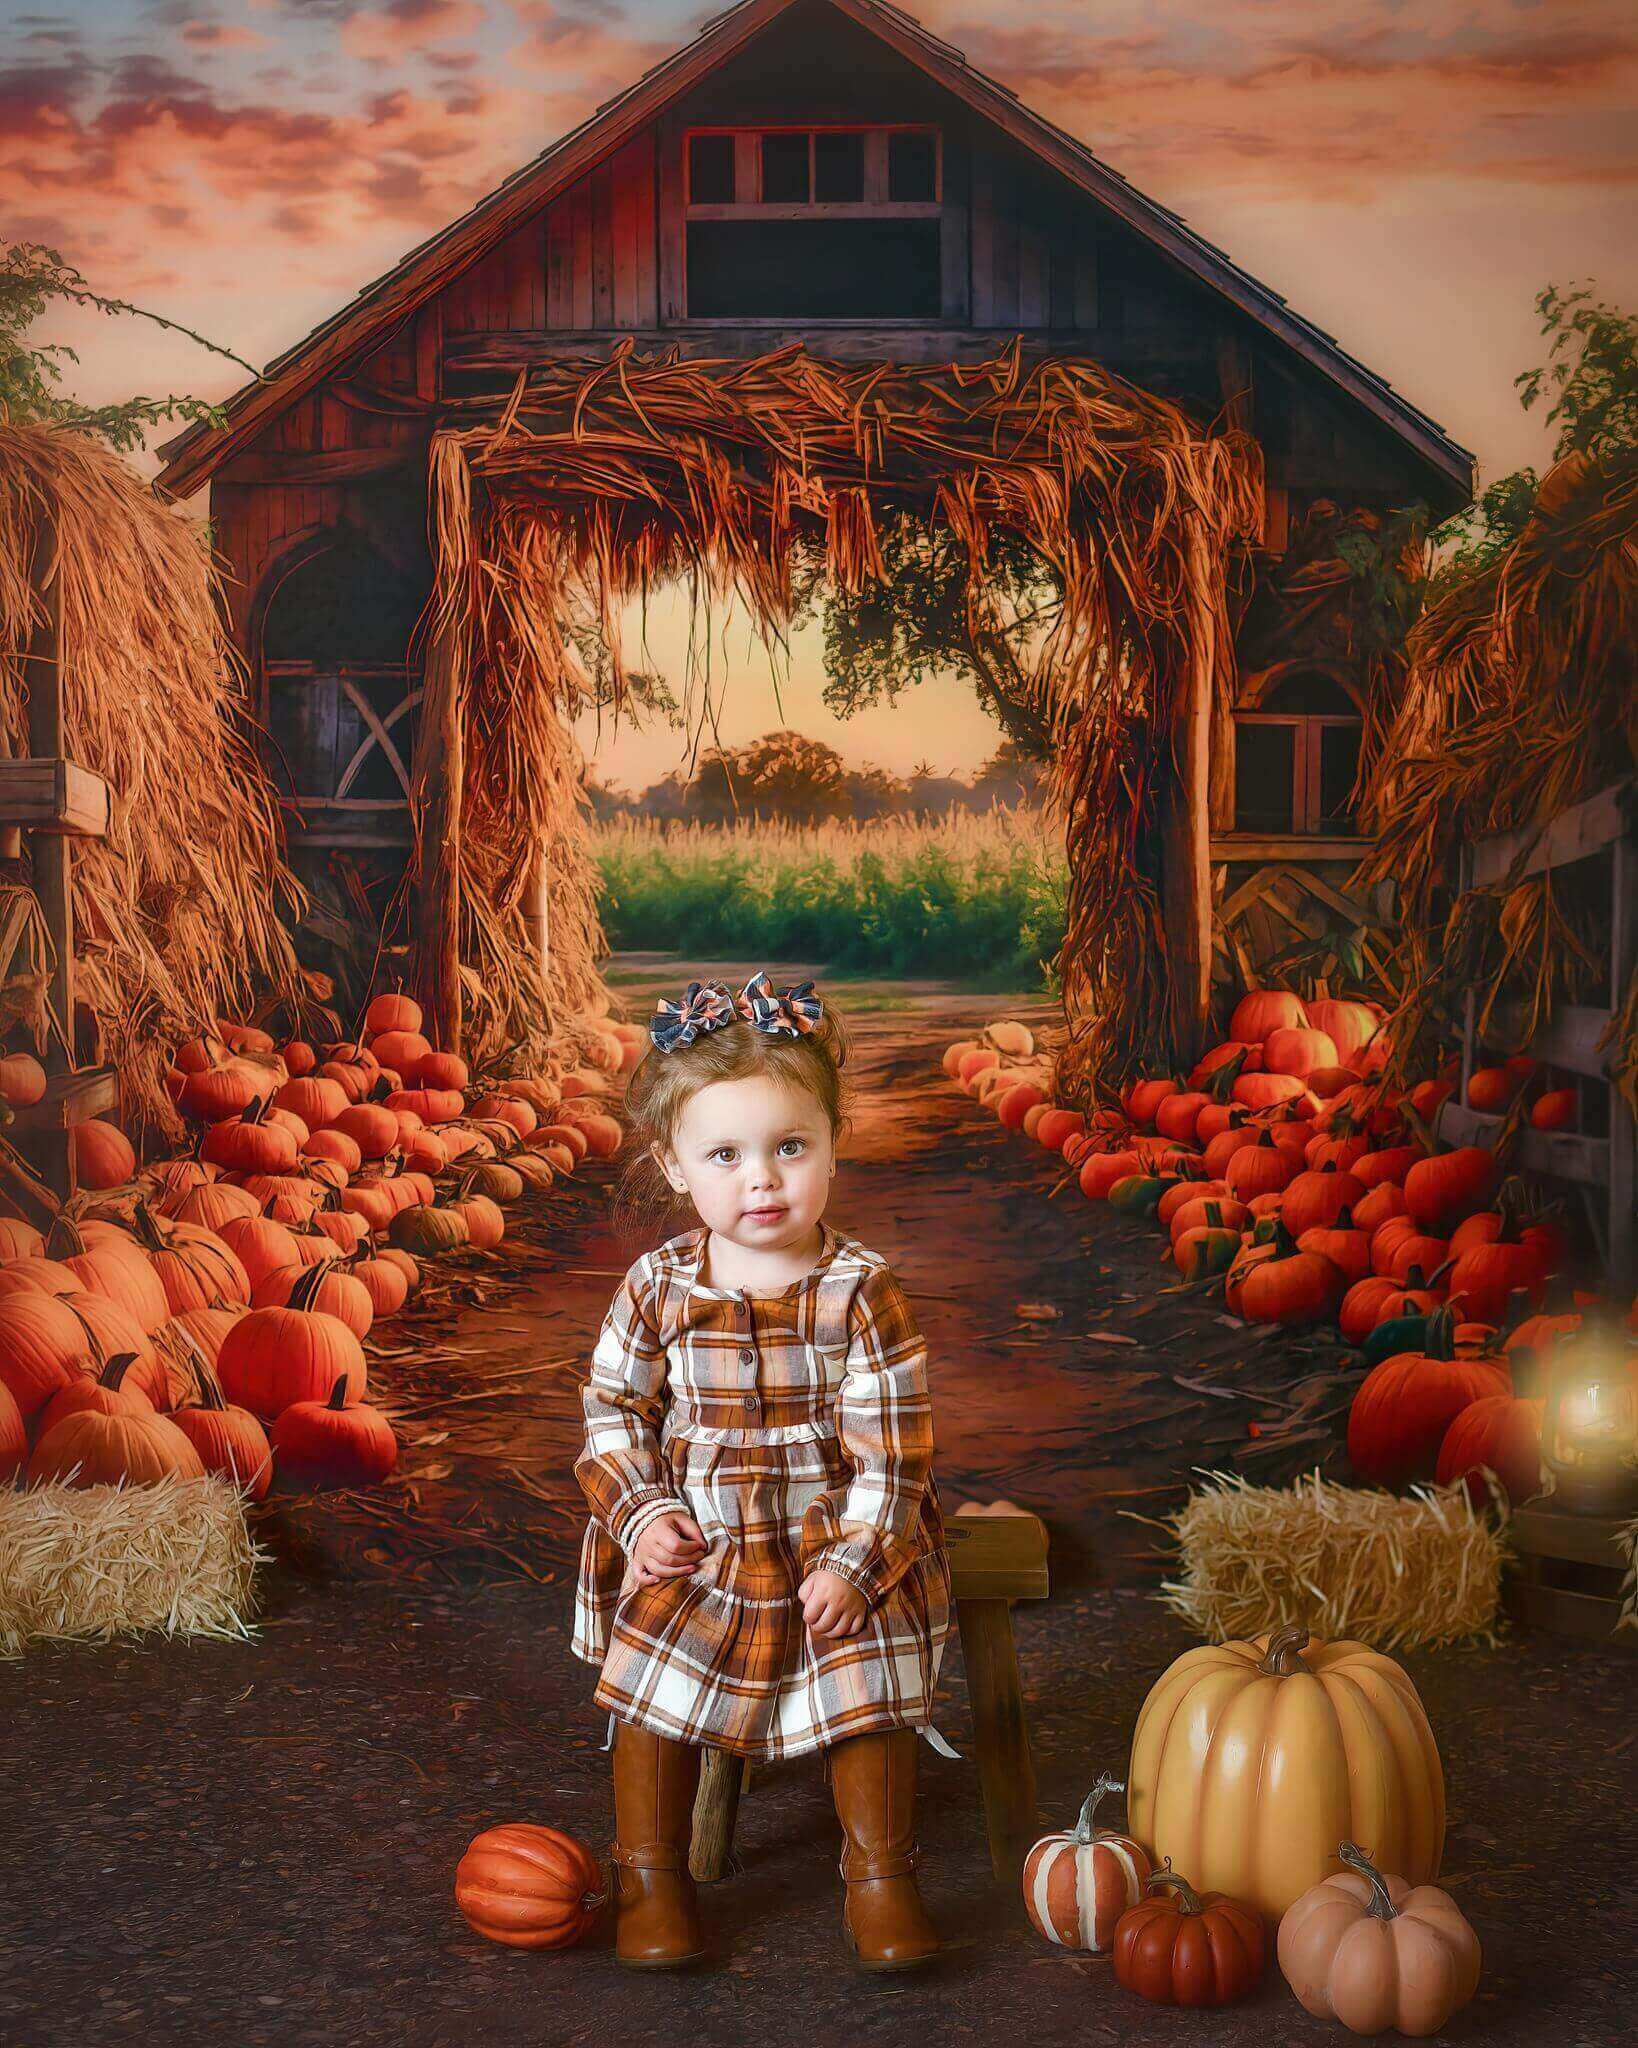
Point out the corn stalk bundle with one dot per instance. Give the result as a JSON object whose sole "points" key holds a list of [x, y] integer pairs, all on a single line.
{"points": [[1519, 698], [611, 476], [177, 910]]}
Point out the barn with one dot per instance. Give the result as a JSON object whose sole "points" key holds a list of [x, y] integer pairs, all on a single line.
{"points": [[819, 182]]}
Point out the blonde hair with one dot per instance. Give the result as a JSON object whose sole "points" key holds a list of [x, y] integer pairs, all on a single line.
{"points": [[663, 1084]]}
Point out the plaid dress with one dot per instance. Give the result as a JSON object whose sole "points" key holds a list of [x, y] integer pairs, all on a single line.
{"points": [[795, 1427]]}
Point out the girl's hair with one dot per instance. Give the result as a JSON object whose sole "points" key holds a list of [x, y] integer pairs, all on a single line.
{"points": [[663, 1083]]}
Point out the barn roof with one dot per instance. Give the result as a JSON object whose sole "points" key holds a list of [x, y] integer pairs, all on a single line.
{"points": [[382, 306]]}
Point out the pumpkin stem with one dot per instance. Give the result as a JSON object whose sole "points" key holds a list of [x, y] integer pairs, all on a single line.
{"points": [[116, 1369], [1281, 1659], [1084, 1829], [1284, 1243], [147, 1230], [304, 1295], [1214, 1216], [63, 1239], [338, 1394], [1440, 1341], [1188, 1899], [1381, 1906]]}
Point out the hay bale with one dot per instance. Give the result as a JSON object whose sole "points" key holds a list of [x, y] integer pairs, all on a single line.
{"points": [[1337, 1561], [85, 1564]]}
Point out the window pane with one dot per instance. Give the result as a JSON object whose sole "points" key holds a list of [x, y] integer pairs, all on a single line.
{"points": [[1339, 764], [711, 170], [912, 167], [1317, 695], [838, 169], [1264, 771], [784, 170], [847, 269]]}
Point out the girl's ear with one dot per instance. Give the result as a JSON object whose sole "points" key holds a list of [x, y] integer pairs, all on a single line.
{"points": [[674, 1179]]}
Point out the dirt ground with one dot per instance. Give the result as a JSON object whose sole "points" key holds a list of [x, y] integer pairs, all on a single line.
{"points": [[256, 1842]]}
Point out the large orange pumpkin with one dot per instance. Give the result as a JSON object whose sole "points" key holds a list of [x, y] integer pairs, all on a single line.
{"points": [[42, 1346], [1498, 1431], [101, 1154], [273, 1357], [528, 1886], [1350, 1026], [1404, 1405], [338, 1442], [1298, 1050], [1263, 1011], [229, 1440], [130, 1449], [1441, 1191]]}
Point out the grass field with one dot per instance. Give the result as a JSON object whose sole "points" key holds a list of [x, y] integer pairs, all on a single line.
{"points": [[976, 898]]}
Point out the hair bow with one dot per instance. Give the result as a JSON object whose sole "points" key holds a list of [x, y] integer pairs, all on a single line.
{"points": [[708, 1005]]}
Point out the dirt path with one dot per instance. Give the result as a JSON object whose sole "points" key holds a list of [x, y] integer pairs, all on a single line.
{"points": [[255, 1843]]}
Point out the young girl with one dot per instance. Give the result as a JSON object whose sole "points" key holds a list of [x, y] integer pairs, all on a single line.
{"points": [[764, 1571]]}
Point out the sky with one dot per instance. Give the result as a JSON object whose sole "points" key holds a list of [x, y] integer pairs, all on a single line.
{"points": [[1407, 175]]}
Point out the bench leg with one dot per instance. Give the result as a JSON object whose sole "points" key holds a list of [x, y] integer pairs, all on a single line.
{"points": [[1006, 1772], [716, 1807]]}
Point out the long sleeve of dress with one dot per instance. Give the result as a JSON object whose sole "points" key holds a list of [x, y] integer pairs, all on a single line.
{"points": [[623, 1472], [866, 1532]]}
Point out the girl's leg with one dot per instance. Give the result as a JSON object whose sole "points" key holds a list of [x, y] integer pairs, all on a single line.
{"points": [[655, 1780], [873, 1780]]}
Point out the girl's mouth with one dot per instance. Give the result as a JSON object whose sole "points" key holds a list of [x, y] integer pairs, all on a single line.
{"points": [[763, 1215]]}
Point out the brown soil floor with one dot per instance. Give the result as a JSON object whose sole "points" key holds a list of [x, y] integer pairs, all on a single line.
{"points": [[256, 1842]]}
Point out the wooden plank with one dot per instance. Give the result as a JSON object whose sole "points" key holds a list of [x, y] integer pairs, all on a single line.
{"points": [[602, 246], [1570, 1040], [669, 226], [997, 1557], [955, 237], [52, 858], [984, 313], [582, 287], [627, 302], [716, 1809], [326, 466], [1006, 1771], [1087, 312], [846, 340], [821, 209], [1004, 252], [1034, 274], [1565, 1155], [647, 313], [53, 796], [1589, 1617], [70, 1098], [1286, 846], [1583, 829], [559, 266], [1575, 1539]]}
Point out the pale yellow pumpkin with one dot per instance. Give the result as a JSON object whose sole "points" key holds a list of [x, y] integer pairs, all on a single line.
{"points": [[1252, 1760], [1365, 1948]]}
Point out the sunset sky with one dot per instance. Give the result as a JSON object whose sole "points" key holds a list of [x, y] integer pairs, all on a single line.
{"points": [[1409, 176]]}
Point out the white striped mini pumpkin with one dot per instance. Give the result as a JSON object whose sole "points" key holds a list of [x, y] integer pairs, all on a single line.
{"points": [[1077, 1885]]}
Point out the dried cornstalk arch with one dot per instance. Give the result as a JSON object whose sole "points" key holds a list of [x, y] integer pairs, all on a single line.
{"points": [[620, 473]]}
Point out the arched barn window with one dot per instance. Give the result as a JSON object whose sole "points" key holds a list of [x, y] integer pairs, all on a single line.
{"points": [[1295, 759], [340, 697]]}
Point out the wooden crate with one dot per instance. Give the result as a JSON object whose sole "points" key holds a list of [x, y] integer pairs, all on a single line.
{"points": [[1569, 1575]]}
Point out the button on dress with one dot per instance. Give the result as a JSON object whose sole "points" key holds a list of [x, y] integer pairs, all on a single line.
{"points": [[795, 1427]]}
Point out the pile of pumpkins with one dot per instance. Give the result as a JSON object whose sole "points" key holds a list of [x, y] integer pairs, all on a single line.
{"points": [[1284, 1171], [209, 1314], [1261, 1766]]}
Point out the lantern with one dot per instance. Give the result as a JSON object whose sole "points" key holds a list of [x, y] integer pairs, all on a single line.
{"points": [[1589, 1439]]}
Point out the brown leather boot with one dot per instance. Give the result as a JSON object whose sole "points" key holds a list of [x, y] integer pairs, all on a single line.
{"points": [[873, 1780], [655, 1779]]}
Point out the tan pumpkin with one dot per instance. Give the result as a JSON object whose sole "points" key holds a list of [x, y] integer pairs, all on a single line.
{"points": [[428, 1230], [1252, 1784], [496, 1179], [1078, 1883], [1366, 1948]]}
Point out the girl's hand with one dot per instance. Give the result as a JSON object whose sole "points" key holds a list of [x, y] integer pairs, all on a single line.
{"points": [[669, 1548], [831, 1606]]}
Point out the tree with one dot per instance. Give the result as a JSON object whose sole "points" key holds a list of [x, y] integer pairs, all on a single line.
{"points": [[32, 278], [917, 625], [782, 775], [1591, 378]]}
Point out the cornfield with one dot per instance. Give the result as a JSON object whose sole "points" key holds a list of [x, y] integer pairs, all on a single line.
{"points": [[980, 897]]}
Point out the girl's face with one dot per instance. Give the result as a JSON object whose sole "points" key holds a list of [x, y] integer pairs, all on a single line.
{"points": [[755, 1157]]}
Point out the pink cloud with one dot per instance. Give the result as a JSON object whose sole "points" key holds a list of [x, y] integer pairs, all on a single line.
{"points": [[404, 27], [223, 35]]}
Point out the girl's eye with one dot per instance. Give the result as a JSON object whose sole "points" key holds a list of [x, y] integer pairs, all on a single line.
{"points": [[797, 1142], [723, 1152]]}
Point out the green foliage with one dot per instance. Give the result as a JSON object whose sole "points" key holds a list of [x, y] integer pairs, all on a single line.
{"points": [[978, 900], [34, 278], [1591, 379], [916, 626]]}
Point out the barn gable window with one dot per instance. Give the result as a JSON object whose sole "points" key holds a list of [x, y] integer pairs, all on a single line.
{"points": [[1295, 759], [801, 223]]}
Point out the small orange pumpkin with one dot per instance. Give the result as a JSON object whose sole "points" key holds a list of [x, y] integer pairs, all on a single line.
{"points": [[528, 1886]]}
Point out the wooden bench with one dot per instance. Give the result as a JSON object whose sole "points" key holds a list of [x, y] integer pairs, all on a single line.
{"points": [[994, 1560]]}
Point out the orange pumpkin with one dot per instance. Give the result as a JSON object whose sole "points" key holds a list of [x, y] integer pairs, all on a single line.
{"points": [[392, 1010], [1266, 1010], [528, 1886], [1491, 1089], [1189, 1949], [131, 1448], [337, 1442], [1554, 1111], [100, 1153], [1298, 1050], [1499, 1432], [1258, 1169], [108, 1392], [1077, 1883], [1404, 1405], [229, 1440], [275, 1356], [1350, 1026], [22, 1080], [1280, 1283], [1144, 1098], [1316, 1198], [1101, 1171]]}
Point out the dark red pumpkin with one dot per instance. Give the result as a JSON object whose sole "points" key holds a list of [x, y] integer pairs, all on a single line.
{"points": [[1316, 1198], [1443, 1190], [1502, 1433], [338, 1442], [1189, 1949]]}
